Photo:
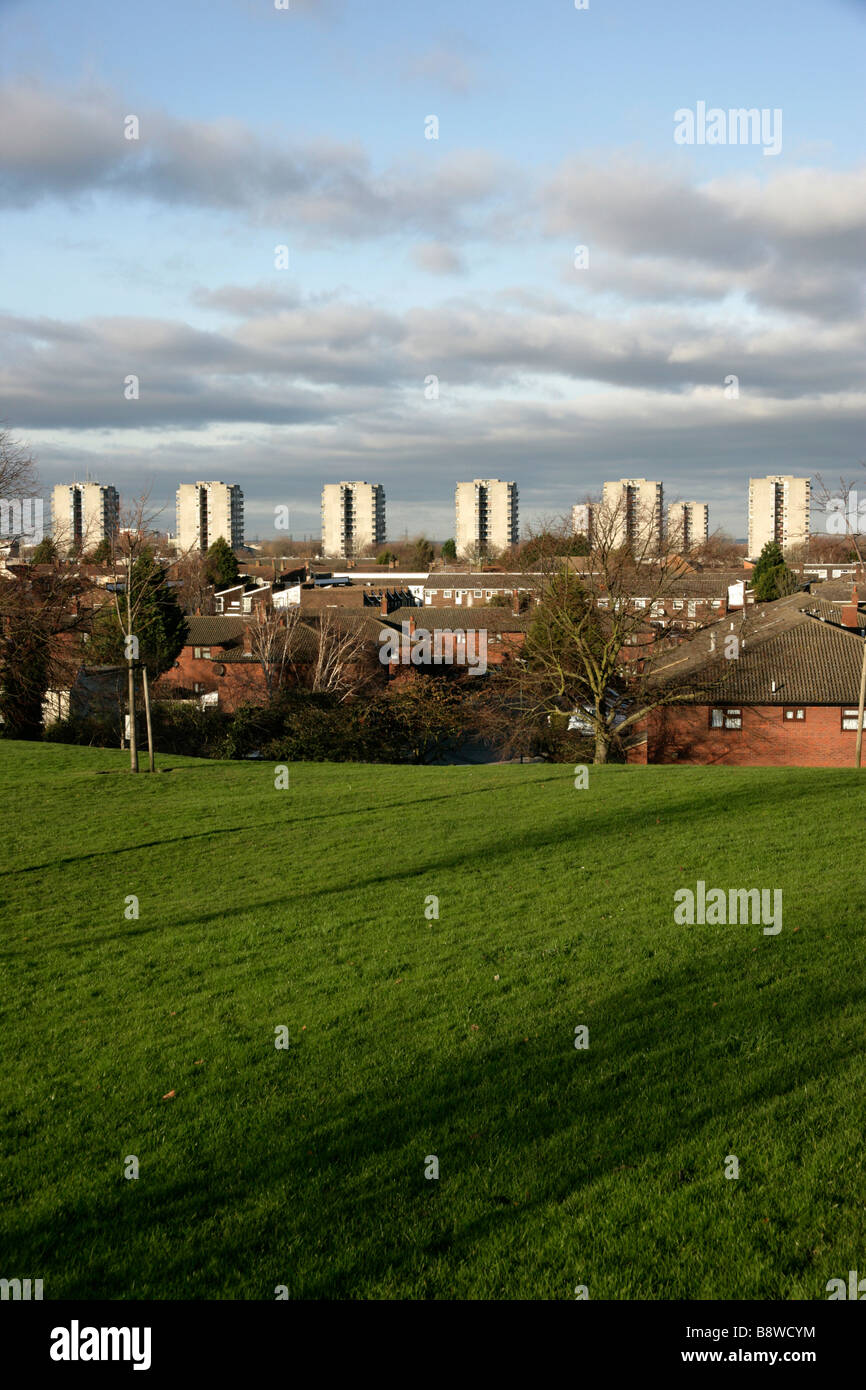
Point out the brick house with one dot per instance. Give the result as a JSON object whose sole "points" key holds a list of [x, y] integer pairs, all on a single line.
{"points": [[458, 589], [789, 699], [215, 659], [505, 631]]}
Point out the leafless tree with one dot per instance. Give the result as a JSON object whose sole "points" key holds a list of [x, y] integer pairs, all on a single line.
{"points": [[196, 591], [845, 510], [18, 477], [275, 640], [344, 661], [602, 623]]}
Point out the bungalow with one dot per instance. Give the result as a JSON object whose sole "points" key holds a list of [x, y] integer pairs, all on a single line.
{"points": [[783, 693]]}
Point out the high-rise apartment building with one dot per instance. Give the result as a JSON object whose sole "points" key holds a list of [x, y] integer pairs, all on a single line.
{"points": [[83, 514], [779, 510], [634, 513], [486, 518], [582, 520], [206, 511], [353, 518], [688, 524]]}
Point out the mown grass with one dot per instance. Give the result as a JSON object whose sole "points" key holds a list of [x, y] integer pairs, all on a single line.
{"points": [[305, 1167]]}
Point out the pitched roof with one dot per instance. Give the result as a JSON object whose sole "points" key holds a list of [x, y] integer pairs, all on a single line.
{"points": [[213, 631], [495, 619], [809, 661]]}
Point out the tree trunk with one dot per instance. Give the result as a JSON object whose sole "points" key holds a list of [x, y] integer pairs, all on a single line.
{"points": [[133, 740], [146, 687], [133, 735], [602, 746]]}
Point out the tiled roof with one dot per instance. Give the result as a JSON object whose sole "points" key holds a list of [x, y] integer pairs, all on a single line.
{"points": [[832, 612], [213, 631], [495, 618], [810, 662], [838, 590]]}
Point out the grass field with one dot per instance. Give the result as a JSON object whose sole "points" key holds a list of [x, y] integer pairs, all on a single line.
{"points": [[411, 1037]]}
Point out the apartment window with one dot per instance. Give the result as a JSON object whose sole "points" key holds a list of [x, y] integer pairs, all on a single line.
{"points": [[795, 714], [726, 719], [849, 719]]}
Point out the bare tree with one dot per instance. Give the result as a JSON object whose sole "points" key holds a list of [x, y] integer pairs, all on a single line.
{"points": [[134, 536], [343, 663], [845, 510], [196, 591], [18, 477], [602, 623], [276, 640]]}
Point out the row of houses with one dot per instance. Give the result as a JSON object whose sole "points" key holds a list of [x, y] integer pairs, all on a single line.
{"points": [[784, 692]]}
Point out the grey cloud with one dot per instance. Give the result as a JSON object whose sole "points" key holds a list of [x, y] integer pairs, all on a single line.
{"points": [[69, 146], [437, 258]]}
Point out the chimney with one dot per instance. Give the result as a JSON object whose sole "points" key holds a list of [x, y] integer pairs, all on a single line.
{"points": [[383, 606], [850, 613], [515, 601]]}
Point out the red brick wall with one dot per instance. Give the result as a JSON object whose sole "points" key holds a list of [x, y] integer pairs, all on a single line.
{"points": [[766, 738], [243, 683]]}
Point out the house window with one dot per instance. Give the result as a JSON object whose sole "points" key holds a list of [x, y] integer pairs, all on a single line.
{"points": [[692, 608], [795, 714], [679, 604], [446, 593], [726, 719], [479, 593], [205, 652], [717, 603], [640, 603], [849, 719], [196, 652]]}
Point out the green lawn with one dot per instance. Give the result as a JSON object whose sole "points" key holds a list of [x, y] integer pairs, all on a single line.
{"points": [[305, 907]]}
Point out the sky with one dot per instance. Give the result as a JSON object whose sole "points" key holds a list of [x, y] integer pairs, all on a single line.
{"points": [[284, 280]]}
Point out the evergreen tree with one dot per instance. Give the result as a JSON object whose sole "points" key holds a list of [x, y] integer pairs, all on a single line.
{"points": [[23, 675], [771, 578], [222, 567], [102, 553], [422, 554], [449, 550], [45, 552], [158, 621]]}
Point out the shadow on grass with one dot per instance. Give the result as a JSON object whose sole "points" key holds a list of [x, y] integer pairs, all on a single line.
{"points": [[336, 1206]]}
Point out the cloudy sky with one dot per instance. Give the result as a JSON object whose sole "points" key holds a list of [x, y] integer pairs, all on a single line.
{"points": [[412, 262]]}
